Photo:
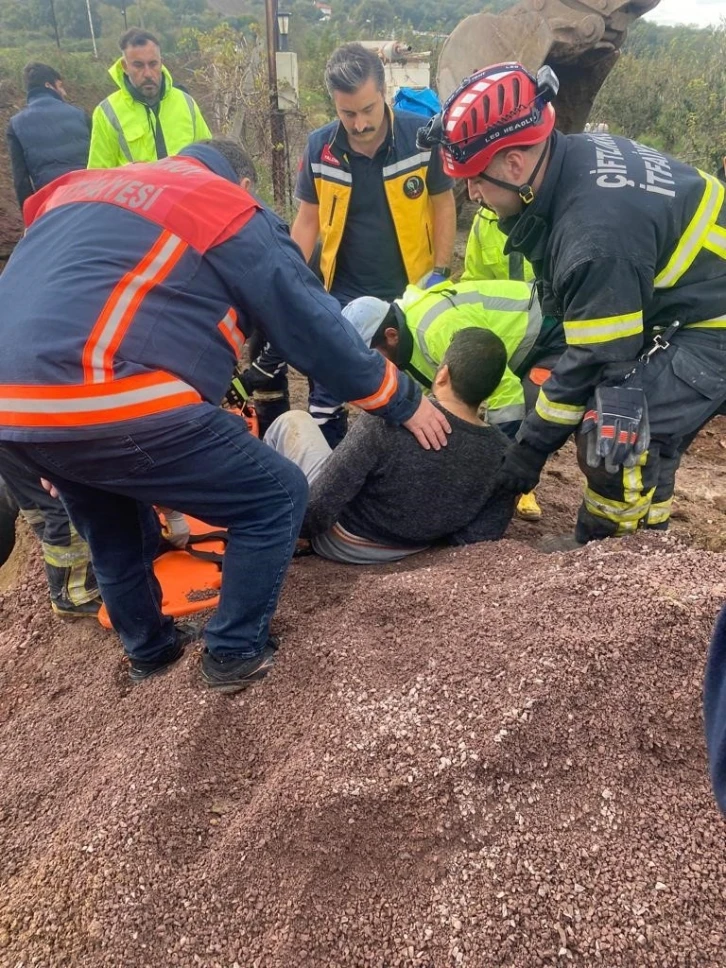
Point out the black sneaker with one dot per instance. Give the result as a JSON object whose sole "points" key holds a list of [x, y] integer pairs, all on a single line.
{"points": [[233, 675], [186, 633]]}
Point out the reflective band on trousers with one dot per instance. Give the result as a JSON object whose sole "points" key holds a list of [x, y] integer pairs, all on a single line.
{"points": [[660, 511], [568, 414], [123, 144], [692, 240], [445, 303], [627, 515], [87, 404], [582, 332]]}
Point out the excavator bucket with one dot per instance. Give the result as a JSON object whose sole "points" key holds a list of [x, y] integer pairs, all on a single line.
{"points": [[579, 39]]}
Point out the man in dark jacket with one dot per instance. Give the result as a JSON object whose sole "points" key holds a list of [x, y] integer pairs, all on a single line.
{"points": [[49, 137], [116, 360]]}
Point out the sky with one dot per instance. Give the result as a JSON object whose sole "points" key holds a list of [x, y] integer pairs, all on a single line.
{"points": [[698, 12]]}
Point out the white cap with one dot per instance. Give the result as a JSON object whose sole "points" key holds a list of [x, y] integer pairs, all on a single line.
{"points": [[365, 315]]}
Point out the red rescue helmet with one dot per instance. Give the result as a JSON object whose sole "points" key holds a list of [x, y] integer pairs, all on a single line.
{"points": [[502, 106]]}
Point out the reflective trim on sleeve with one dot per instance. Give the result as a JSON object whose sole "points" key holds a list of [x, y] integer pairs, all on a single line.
{"points": [[113, 120], [693, 238], [385, 392], [566, 414], [228, 328], [583, 332]]}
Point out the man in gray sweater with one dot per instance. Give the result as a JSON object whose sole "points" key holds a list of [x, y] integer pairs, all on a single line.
{"points": [[379, 497]]}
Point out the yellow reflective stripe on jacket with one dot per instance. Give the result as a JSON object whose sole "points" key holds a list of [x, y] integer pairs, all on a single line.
{"points": [[583, 332], [718, 322], [113, 120], [567, 414], [407, 165], [500, 304], [695, 235]]}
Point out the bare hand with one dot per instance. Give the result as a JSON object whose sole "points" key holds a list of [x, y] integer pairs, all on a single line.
{"points": [[51, 489], [429, 426]]}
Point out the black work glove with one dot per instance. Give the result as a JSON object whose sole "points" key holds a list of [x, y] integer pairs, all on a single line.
{"points": [[521, 469], [616, 427]]}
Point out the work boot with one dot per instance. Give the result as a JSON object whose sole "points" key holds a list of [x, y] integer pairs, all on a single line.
{"points": [[551, 543], [186, 633], [86, 610], [233, 675], [527, 507]]}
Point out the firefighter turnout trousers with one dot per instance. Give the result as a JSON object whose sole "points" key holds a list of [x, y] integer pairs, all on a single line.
{"points": [[685, 386]]}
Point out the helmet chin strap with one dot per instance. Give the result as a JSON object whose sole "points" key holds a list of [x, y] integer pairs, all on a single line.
{"points": [[525, 192]]}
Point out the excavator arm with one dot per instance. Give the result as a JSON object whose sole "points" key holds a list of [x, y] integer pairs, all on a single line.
{"points": [[579, 39]]}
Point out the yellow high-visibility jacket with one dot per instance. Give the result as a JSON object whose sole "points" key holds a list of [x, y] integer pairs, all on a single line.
{"points": [[485, 258], [123, 128], [434, 316]]}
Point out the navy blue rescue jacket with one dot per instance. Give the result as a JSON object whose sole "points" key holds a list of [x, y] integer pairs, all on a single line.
{"points": [[153, 276]]}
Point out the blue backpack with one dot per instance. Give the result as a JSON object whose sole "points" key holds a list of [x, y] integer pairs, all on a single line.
{"points": [[423, 101]]}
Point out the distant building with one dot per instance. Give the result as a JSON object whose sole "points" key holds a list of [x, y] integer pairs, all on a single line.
{"points": [[325, 9]]}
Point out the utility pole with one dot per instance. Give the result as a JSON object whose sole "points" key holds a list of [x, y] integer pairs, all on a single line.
{"points": [[277, 120], [93, 32], [55, 23]]}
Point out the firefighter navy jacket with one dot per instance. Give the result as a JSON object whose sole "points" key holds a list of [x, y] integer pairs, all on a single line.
{"points": [[153, 275], [623, 240]]}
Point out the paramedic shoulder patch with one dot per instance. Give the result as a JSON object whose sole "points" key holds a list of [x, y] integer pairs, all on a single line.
{"points": [[413, 187]]}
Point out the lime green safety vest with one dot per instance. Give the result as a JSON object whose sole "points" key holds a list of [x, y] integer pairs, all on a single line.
{"points": [[508, 309], [485, 258]]}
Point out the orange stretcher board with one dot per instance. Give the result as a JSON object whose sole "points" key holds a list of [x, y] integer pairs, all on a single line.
{"points": [[188, 585]]}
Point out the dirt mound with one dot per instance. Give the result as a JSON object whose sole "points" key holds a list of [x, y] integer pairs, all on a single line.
{"points": [[490, 757]]}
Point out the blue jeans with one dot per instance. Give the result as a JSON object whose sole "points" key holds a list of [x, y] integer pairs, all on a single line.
{"points": [[208, 465]]}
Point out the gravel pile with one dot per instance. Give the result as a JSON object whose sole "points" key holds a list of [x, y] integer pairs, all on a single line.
{"points": [[486, 757]]}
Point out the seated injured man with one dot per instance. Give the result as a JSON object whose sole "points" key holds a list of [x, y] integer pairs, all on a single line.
{"points": [[379, 496]]}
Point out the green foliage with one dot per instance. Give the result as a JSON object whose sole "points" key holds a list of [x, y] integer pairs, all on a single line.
{"points": [[669, 90]]}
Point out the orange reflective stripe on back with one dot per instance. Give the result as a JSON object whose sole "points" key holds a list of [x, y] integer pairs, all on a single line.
{"points": [[385, 392], [96, 403], [121, 306]]}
